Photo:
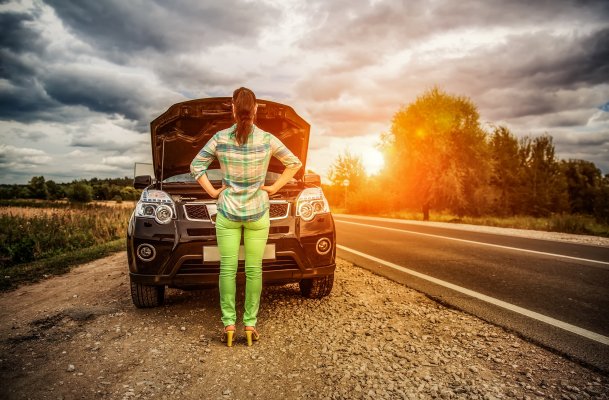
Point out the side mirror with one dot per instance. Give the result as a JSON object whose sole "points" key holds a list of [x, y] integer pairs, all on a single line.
{"points": [[313, 179], [142, 181]]}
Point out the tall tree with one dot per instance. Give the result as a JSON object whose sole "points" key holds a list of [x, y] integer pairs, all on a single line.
{"points": [[545, 189], [601, 204], [38, 188], [506, 177], [583, 184], [440, 154], [55, 190]]}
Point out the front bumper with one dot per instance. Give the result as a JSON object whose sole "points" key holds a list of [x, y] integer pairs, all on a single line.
{"points": [[179, 251]]}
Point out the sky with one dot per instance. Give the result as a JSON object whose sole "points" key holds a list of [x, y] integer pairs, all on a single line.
{"points": [[80, 81]]}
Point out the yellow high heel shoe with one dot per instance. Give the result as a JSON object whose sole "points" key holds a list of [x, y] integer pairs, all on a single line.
{"points": [[251, 334], [228, 335]]}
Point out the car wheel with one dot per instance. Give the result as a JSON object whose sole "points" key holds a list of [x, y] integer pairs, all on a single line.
{"points": [[145, 296], [316, 288]]}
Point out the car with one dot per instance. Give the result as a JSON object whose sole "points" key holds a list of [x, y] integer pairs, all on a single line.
{"points": [[171, 236]]}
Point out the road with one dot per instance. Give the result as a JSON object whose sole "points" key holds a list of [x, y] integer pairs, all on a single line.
{"points": [[553, 293]]}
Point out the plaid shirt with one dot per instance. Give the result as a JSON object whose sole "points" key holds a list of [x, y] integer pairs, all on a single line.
{"points": [[244, 170]]}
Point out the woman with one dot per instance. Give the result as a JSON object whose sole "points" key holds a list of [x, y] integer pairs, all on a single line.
{"points": [[244, 152]]}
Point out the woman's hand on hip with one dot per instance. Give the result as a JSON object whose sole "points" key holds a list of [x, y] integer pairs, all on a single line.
{"points": [[218, 191], [270, 189]]}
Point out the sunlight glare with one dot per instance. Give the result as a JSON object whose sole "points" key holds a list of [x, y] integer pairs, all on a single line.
{"points": [[373, 161]]}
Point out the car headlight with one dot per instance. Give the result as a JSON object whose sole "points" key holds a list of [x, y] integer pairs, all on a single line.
{"points": [[163, 214], [156, 204], [311, 202]]}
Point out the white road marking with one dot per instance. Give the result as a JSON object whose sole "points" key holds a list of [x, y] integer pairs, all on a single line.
{"points": [[475, 242], [508, 306]]}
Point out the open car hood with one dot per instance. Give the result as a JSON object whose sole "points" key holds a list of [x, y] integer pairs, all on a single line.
{"points": [[185, 128]]}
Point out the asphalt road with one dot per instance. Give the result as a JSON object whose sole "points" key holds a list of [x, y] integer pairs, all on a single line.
{"points": [[553, 293]]}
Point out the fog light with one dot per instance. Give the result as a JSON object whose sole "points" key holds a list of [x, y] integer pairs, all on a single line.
{"points": [[145, 252], [323, 246]]}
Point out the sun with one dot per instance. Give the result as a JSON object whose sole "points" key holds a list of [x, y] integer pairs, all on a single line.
{"points": [[373, 161]]}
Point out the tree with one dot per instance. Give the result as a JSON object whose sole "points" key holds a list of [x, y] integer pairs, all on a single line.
{"points": [[129, 193], [347, 167], [583, 184], [505, 177], [545, 189], [80, 192], [601, 204], [439, 153], [38, 188], [55, 191]]}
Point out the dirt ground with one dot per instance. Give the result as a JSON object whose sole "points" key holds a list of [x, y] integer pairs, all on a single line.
{"points": [[78, 336]]}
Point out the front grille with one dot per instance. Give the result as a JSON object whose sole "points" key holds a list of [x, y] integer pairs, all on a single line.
{"points": [[196, 211], [197, 267], [278, 210]]}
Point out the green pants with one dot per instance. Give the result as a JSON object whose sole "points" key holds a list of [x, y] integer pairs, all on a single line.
{"points": [[255, 235]]}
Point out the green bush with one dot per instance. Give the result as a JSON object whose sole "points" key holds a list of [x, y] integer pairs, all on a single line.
{"points": [[80, 192]]}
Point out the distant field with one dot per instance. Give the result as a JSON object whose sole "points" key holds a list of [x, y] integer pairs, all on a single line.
{"points": [[41, 237]]}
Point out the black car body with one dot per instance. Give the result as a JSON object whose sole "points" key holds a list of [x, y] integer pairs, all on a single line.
{"points": [[171, 234]]}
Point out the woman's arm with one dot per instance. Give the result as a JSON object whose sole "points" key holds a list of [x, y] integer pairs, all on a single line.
{"points": [[287, 158], [285, 177], [199, 164], [208, 187]]}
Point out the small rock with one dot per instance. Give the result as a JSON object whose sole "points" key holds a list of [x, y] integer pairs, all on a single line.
{"points": [[71, 368]]}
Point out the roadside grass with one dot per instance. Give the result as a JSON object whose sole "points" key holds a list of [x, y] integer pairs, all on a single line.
{"points": [[16, 275], [42, 238], [564, 223], [34, 203]]}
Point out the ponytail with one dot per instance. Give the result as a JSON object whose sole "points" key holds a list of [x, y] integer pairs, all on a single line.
{"points": [[244, 102]]}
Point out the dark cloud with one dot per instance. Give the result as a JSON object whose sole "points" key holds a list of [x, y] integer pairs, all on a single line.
{"points": [[43, 84], [506, 81], [537, 56], [397, 24], [97, 91], [15, 34], [121, 27], [21, 97], [189, 74]]}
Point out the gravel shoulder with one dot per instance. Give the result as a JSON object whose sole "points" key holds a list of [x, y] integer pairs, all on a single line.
{"points": [[78, 336]]}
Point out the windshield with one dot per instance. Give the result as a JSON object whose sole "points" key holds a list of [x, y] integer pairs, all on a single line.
{"points": [[216, 175]]}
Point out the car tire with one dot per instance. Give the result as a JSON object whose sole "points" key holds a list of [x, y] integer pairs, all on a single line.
{"points": [[316, 288], [144, 296]]}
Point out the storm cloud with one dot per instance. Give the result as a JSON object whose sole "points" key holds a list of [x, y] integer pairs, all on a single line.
{"points": [[86, 78]]}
